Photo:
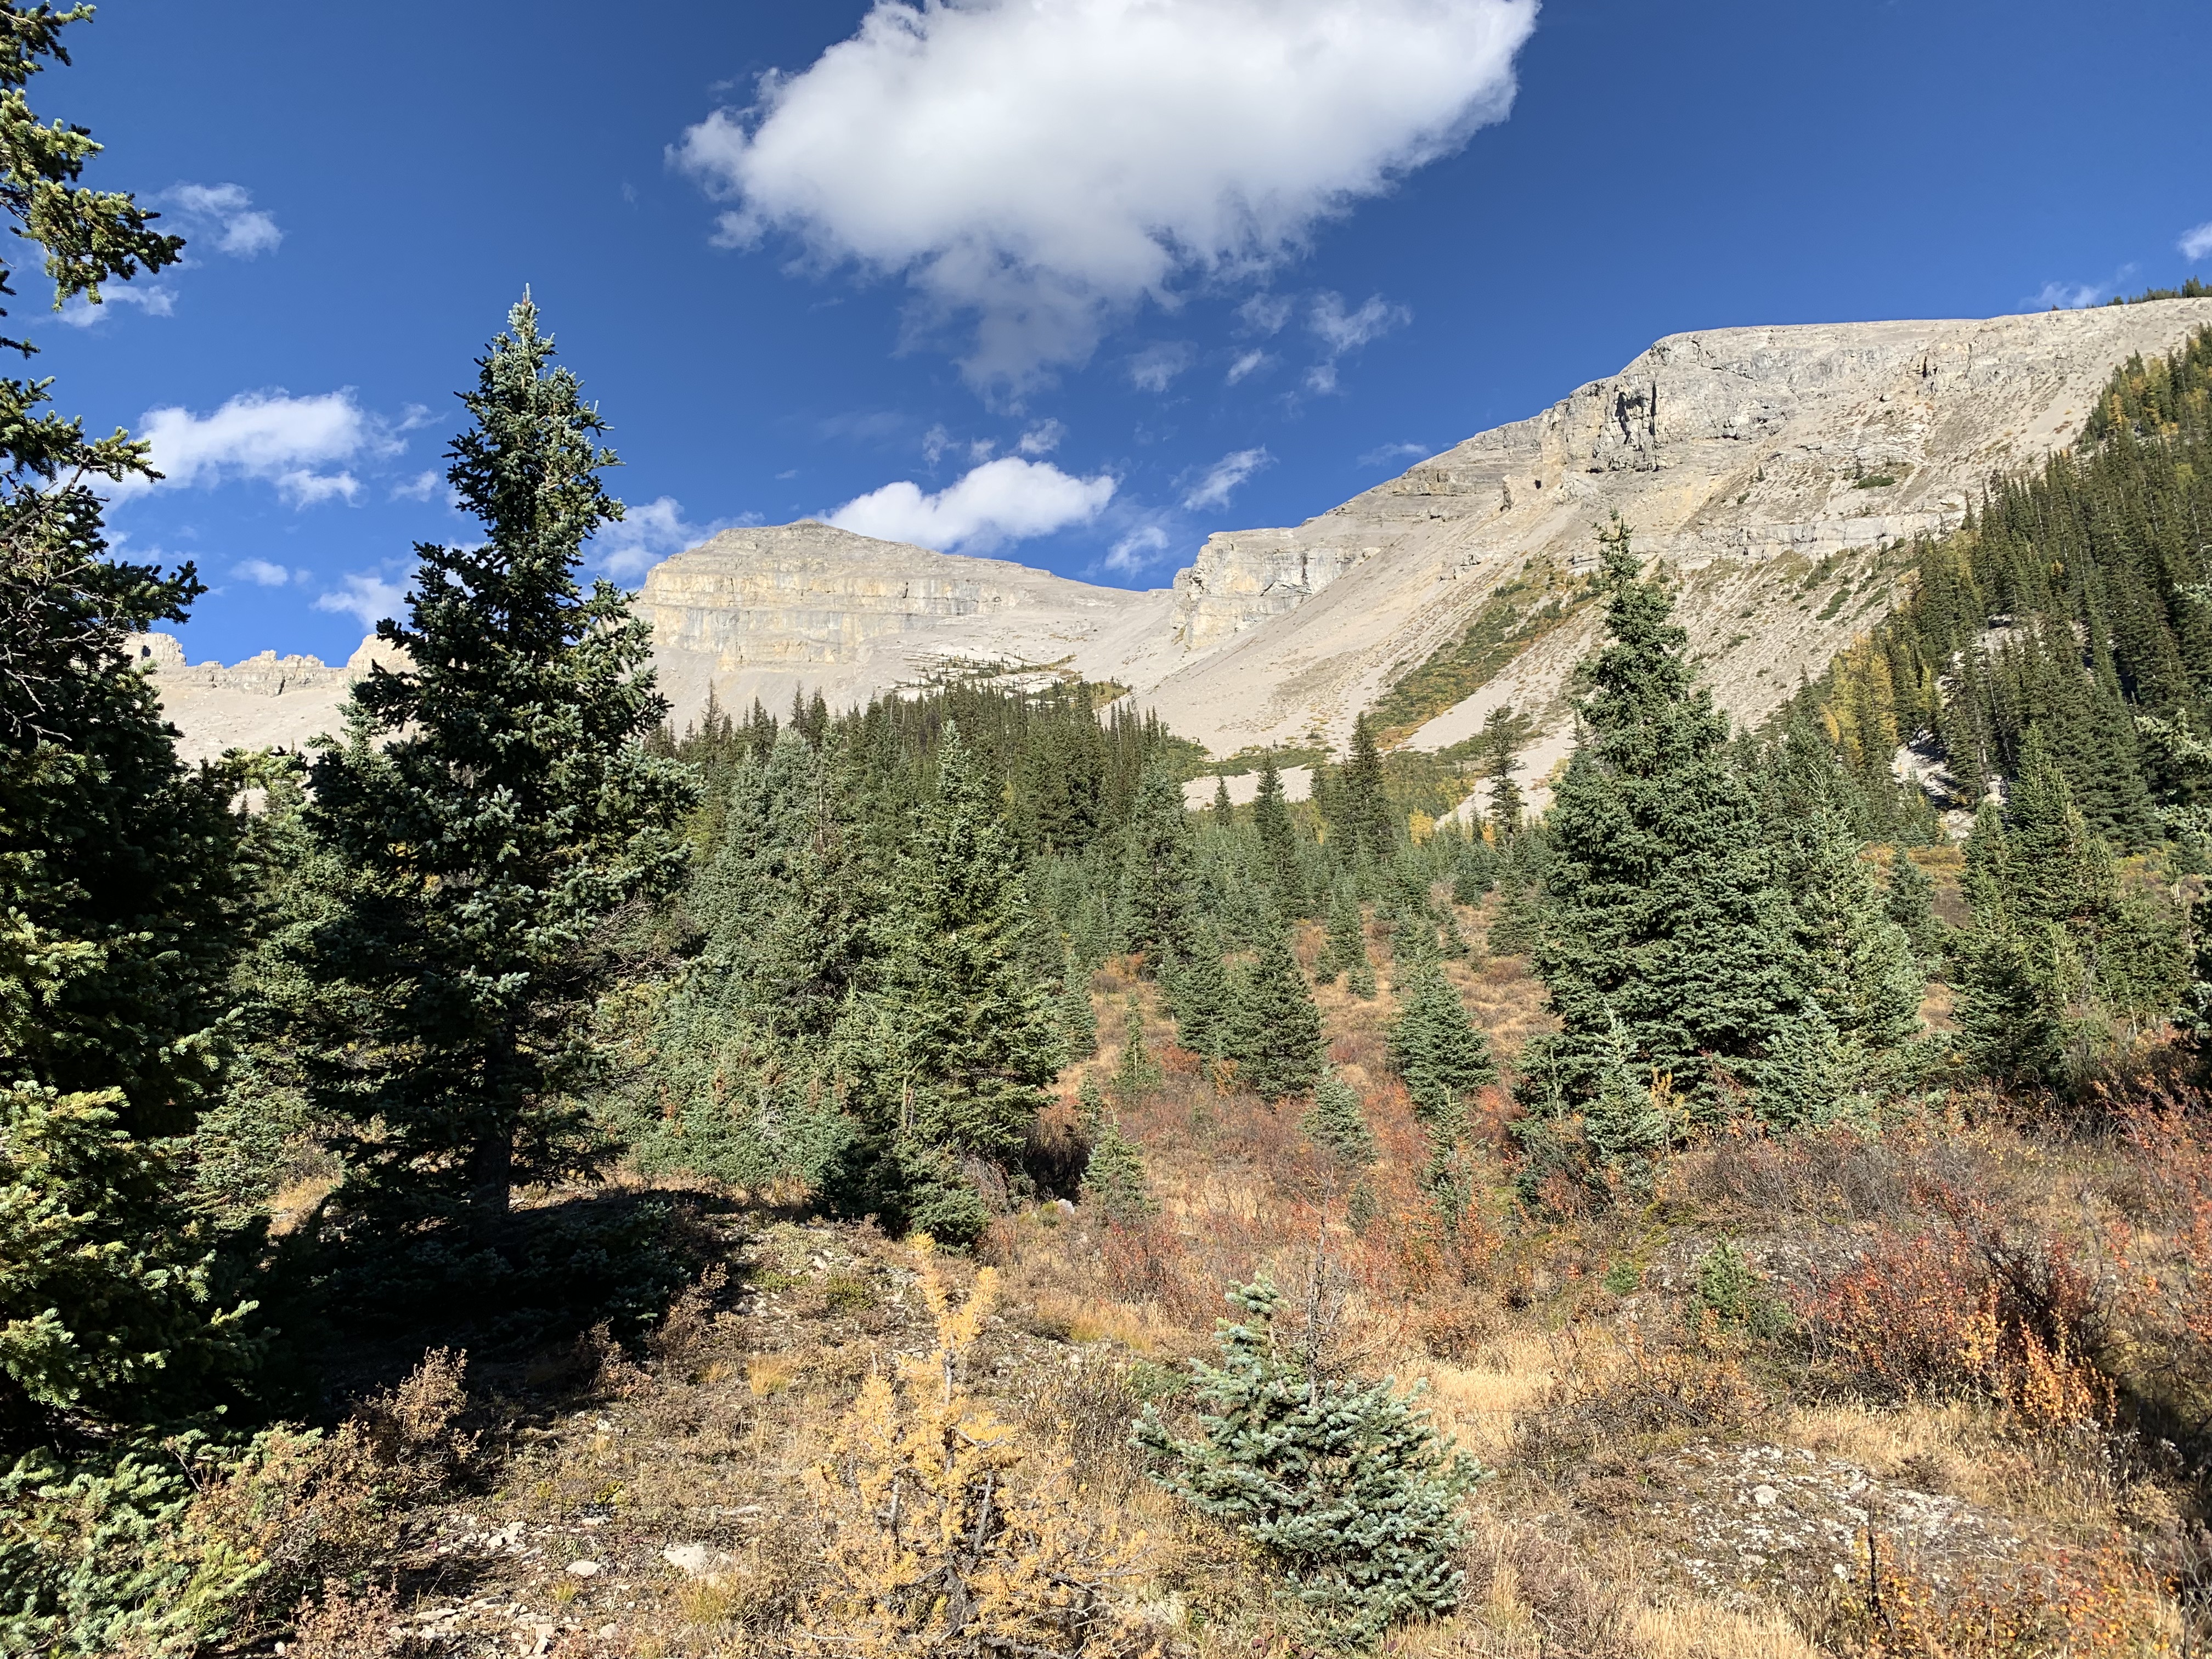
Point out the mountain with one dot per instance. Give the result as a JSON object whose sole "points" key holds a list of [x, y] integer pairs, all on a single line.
{"points": [[1781, 473]]}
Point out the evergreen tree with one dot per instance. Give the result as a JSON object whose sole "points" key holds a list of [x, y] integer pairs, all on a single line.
{"points": [[1114, 1177], [1911, 905], [1279, 842], [1160, 866], [1136, 1074], [1224, 814], [1859, 966], [1440, 1053], [1276, 1037], [120, 908], [1078, 1020], [1498, 751], [1204, 999], [495, 807], [1662, 932], [1345, 1486], [1364, 816], [949, 1053], [1344, 950], [1337, 1122]]}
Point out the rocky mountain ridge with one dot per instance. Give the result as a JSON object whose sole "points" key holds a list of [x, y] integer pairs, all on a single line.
{"points": [[1780, 472]]}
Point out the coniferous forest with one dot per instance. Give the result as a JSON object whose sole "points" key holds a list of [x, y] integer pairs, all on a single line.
{"points": [[952, 1176]]}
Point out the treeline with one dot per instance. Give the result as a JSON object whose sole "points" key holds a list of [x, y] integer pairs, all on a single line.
{"points": [[2071, 603]]}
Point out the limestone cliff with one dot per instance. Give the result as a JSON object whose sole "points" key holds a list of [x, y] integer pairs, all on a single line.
{"points": [[764, 612], [265, 702], [1743, 456]]}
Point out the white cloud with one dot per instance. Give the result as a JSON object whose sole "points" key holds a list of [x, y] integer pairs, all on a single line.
{"points": [[420, 487], [260, 573], [1391, 454], [1157, 364], [2069, 296], [1042, 440], [1002, 500], [1250, 363], [1340, 331], [368, 597], [155, 300], [225, 214], [1220, 480], [1040, 166], [648, 534], [2197, 243], [270, 436], [1141, 547], [1265, 313]]}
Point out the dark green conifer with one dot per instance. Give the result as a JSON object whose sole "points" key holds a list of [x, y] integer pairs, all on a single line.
{"points": [[1160, 868], [1338, 1124], [1665, 949], [1136, 1074], [1279, 842], [1364, 814], [1438, 1051], [1498, 751], [1223, 814], [1345, 949], [1276, 1038], [1204, 999], [1114, 1177], [1078, 1020], [495, 805]]}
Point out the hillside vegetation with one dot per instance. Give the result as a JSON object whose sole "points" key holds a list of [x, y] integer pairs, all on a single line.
{"points": [[524, 1179]]}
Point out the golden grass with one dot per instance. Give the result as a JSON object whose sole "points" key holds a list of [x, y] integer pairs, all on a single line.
{"points": [[1480, 1405], [1706, 1630]]}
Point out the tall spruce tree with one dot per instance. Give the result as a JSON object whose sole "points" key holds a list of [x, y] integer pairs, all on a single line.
{"points": [[496, 805], [1665, 951], [1498, 751], [1435, 1047], [1279, 841], [1160, 866], [949, 1053], [1363, 803], [1337, 1122], [1276, 1029], [120, 907]]}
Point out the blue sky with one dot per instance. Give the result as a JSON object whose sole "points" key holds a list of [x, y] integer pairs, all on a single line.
{"points": [[971, 278]]}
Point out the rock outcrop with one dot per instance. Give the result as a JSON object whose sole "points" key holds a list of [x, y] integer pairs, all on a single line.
{"points": [[1743, 456], [267, 701], [765, 612]]}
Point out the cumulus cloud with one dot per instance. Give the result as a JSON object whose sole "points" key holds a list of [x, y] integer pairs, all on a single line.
{"points": [[1393, 454], [225, 216], [155, 300], [367, 597], [1042, 440], [420, 487], [2197, 243], [1038, 166], [261, 572], [1340, 331], [1218, 482], [1157, 364], [648, 534], [1250, 363], [1140, 548], [1003, 501], [291, 443]]}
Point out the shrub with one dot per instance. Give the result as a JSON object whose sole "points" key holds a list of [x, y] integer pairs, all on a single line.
{"points": [[1343, 1485], [941, 1536]]}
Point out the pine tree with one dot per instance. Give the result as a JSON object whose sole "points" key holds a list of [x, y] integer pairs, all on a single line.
{"points": [[1276, 1037], [1114, 1177], [1911, 905], [1343, 1484], [495, 805], [1662, 931], [1369, 827], [121, 912], [1440, 1053], [1338, 1123], [1859, 966], [1223, 814], [1279, 844]]}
